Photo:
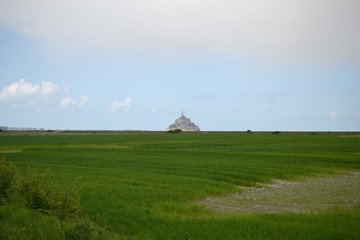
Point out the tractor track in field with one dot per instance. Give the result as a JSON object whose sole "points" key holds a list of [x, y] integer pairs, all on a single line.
{"points": [[311, 195]]}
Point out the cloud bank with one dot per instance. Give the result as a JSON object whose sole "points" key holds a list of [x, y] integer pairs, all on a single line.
{"points": [[271, 29], [25, 93]]}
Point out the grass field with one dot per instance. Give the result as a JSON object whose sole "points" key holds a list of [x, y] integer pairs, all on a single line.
{"points": [[147, 185]]}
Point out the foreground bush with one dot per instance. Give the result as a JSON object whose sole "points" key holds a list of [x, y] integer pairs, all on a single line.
{"points": [[38, 191], [38, 207], [44, 194], [18, 222]]}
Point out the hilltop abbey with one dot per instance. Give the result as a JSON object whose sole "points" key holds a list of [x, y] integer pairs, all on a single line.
{"points": [[184, 124]]}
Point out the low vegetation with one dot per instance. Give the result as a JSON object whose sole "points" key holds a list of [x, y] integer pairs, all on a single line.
{"points": [[147, 185], [35, 206]]}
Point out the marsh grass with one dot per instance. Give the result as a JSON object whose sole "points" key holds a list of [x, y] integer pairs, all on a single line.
{"points": [[146, 184]]}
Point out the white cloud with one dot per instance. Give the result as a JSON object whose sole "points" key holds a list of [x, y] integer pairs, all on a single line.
{"points": [[333, 115], [25, 93], [48, 87], [122, 106], [279, 29], [65, 102], [154, 110], [69, 102], [83, 100]]}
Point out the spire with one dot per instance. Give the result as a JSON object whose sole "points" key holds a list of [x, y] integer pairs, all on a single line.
{"points": [[182, 114]]}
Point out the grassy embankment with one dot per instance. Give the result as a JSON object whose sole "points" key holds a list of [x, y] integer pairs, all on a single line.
{"points": [[146, 184]]}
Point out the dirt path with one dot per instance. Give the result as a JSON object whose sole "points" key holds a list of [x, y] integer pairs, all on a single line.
{"points": [[311, 195]]}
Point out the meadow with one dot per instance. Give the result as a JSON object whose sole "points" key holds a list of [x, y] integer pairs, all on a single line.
{"points": [[146, 185]]}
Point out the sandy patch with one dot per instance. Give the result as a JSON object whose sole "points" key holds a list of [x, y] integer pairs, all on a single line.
{"points": [[310, 195]]}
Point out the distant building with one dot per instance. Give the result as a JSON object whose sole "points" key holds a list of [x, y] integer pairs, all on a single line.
{"points": [[184, 124]]}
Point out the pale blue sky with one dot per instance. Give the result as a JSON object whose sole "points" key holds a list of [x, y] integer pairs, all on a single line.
{"points": [[79, 71]]}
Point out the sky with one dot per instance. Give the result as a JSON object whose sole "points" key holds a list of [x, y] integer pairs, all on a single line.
{"points": [[229, 65]]}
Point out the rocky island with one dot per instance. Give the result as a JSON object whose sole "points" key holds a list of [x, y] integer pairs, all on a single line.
{"points": [[184, 124]]}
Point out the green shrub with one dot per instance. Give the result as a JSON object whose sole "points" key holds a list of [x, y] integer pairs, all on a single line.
{"points": [[9, 178], [18, 222], [43, 193], [38, 207], [80, 229]]}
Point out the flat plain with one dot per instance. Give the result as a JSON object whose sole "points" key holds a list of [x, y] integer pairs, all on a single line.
{"points": [[150, 185]]}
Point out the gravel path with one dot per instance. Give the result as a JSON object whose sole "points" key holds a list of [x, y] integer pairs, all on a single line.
{"points": [[310, 195]]}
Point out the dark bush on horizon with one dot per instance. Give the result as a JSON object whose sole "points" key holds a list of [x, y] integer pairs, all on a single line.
{"points": [[175, 131]]}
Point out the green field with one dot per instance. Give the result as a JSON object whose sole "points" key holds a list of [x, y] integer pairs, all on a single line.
{"points": [[147, 185]]}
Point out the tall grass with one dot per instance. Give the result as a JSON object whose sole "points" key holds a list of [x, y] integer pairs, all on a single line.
{"points": [[36, 207], [145, 185]]}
